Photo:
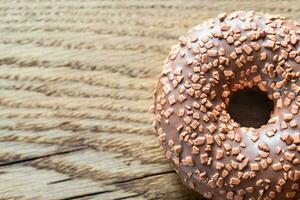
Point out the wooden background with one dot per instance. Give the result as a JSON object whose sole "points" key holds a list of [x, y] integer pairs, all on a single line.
{"points": [[76, 82]]}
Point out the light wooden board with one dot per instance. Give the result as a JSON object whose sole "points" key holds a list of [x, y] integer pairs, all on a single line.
{"points": [[76, 82]]}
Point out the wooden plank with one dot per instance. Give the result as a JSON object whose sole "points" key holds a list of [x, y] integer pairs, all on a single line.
{"points": [[76, 82]]}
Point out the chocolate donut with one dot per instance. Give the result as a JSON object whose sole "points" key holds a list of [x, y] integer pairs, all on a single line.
{"points": [[213, 154]]}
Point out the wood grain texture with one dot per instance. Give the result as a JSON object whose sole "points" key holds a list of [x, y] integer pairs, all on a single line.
{"points": [[76, 82]]}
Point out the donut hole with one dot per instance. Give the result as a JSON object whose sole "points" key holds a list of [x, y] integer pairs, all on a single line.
{"points": [[250, 107]]}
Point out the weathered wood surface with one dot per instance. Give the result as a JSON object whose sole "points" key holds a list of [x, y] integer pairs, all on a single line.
{"points": [[76, 82]]}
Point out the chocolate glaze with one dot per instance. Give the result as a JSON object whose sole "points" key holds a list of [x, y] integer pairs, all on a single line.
{"points": [[213, 154]]}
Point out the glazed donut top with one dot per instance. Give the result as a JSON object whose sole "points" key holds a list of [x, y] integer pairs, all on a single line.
{"points": [[212, 153]]}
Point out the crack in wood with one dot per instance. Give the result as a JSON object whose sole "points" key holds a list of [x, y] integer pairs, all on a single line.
{"points": [[131, 196], [24, 160], [60, 181], [142, 177]]}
